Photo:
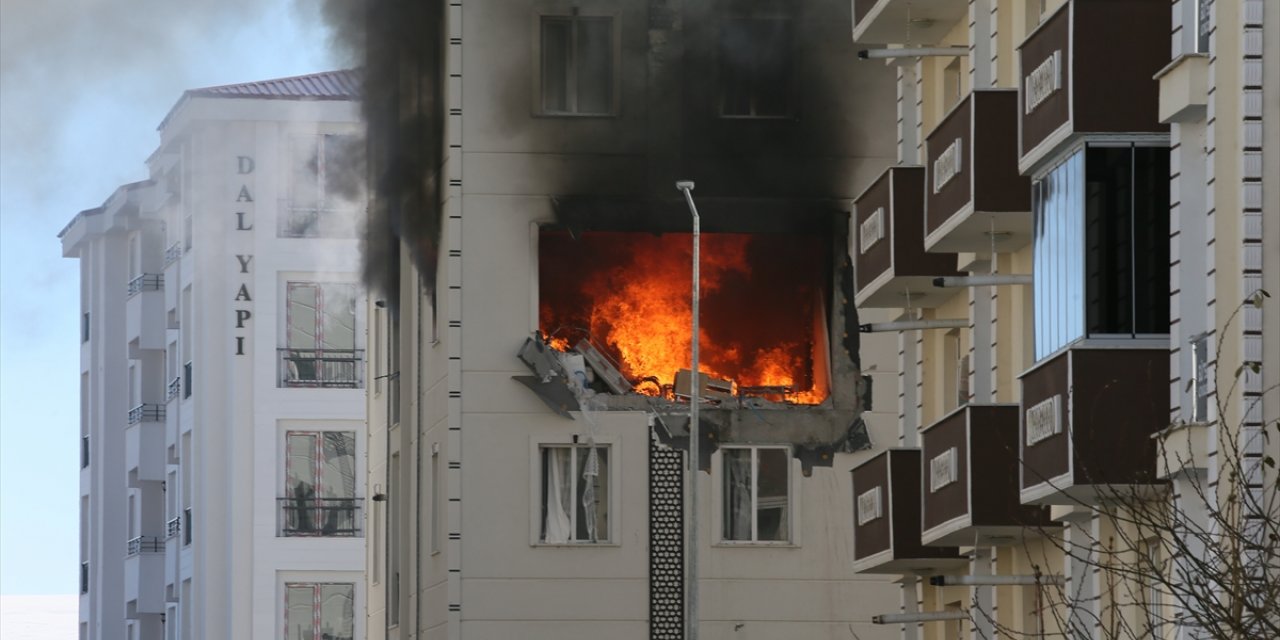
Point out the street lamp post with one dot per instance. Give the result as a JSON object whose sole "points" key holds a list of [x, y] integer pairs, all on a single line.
{"points": [[695, 386]]}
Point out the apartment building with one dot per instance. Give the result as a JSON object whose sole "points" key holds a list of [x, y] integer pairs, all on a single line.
{"points": [[222, 374], [1074, 238], [529, 405]]}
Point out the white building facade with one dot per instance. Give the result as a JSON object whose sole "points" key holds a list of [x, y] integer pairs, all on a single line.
{"points": [[222, 374]]}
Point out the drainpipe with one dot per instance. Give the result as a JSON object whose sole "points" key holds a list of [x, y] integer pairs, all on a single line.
{"points": [[989, 280], [932, 616], [919, 52], [695, 387], [909, 325]]}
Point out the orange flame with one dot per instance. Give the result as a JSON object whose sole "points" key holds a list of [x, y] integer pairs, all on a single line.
{"points": [[761, 322]]}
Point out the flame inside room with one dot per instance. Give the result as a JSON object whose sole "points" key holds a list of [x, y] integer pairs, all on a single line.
{"points": [[763, 317]]}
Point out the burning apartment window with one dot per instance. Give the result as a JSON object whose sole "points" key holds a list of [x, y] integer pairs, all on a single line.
{"points": [[763, 319], [755, 67], [578, 65], [325, 187], [320, 485], [323, 611], [320, 336], [575, 493], [756, 494]]}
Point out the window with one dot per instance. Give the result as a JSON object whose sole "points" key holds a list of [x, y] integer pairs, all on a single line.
{"points": [[951, 85], [1200, 378], [756, 494], [324, 611], [320, 336], [575, 494], [1203, 24], [578, 66], [84, 327], [437, 494], [1101, 246], [1150, 575], [84, 452], [755, 67], [320, 485], [186, 380], [84, 577], [325, 187]]}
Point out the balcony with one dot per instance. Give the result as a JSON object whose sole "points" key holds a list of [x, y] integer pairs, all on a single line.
{"points": [[886, 531], [969, 457], [1087, 417], [144, 445], [144, 577], [173, 253], [1088, 69], [173, 527], [320, 517], [906, 21], [144, 313], [975, 199], [893, 269], [146, 413], [173, 389], [1184, 88], [322, 368]]}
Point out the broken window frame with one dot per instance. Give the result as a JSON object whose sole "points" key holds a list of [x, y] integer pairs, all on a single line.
{"points": [[756, 110], [606, 493], [573, 70], [788, 518]]}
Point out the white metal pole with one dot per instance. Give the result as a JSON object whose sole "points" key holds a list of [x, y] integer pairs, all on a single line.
{"points": [[691, 585]]}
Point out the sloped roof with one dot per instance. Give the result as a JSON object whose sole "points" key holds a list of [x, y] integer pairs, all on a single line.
{"points": [[343, 84]]}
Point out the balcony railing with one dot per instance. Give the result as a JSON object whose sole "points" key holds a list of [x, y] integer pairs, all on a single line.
{"points": [[320, 221], [174, 388], [173, 527], [329, 368], [323, 517], [146, 544], [173, 253], [146, 282], [146, 413]]}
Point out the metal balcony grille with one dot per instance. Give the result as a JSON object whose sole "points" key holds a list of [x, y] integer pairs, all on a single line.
{"points": [[321, 517], [146, 413], [174, 388], [146, 544], [146, 282], [329, 368], [172, 254], [173, 527]]}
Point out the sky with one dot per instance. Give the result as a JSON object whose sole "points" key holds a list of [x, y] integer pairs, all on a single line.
{"points": [[83, 85]]}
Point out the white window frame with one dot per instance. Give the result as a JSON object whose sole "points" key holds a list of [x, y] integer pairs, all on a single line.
{"points": [[326, 207], [611, 537], [571, 12], [286, 578], [312, 429], [793, 499]]}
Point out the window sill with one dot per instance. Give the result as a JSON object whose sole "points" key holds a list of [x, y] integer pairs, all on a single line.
{"points": [[732, 544], [553, 114], [575, 545]]}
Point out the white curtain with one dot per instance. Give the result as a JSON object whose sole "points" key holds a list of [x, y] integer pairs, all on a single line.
{"points": [[737, 494], [558, 526]]}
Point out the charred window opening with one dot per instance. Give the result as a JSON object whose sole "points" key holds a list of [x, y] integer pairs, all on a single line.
{"points": [[577, 65], [755, 53], [763, 314]]}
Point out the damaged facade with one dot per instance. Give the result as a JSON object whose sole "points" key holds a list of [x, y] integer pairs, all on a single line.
{"points": [[528, 405]]}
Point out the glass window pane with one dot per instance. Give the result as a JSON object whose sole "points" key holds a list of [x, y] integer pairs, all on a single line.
{"points": [[1058, 257], [772, 57], [339, 316], [737, 494], [299, 616], [300, 472], [306, 165], [301, 316], [338, 471], [736, 61], [337, 611], [557, 484], [593, 495], [594, 57], [555, 64], [1151, 240], [1109, 227], [771, 495]]}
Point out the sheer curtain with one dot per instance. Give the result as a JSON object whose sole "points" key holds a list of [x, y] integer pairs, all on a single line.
{"points": [[737, 494], [558, 495]]}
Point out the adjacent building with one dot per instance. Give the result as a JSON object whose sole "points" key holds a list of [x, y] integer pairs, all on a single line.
{"points": [[1075, 237], [222, 374], [528, 406]]}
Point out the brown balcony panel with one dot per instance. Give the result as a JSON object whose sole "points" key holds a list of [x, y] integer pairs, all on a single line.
{"points": [[1089, 69], [974, 195], [973, 452], [1086, 421], [893, 268], [886, 518], [906, 21]]}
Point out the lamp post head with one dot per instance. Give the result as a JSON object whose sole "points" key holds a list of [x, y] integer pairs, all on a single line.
{"points": [[684, 185]]}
